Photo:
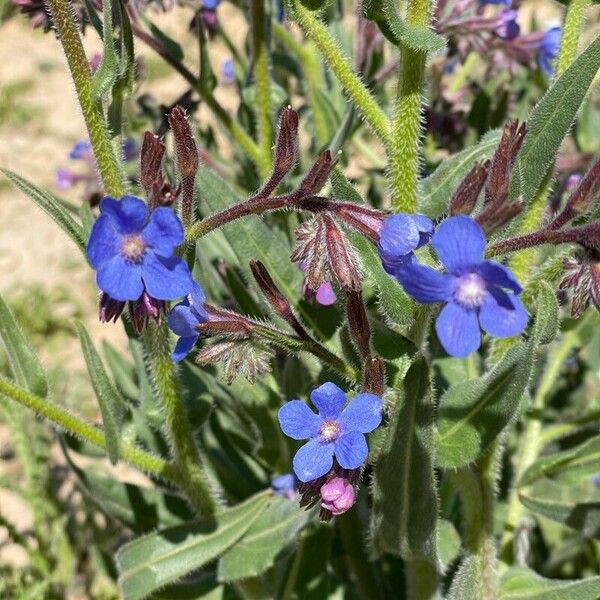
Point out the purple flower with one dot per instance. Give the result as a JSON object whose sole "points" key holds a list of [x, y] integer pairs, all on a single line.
{"points": [[285, 485], [82, 150], [227, 70], [325, 294], [337, 495], [549, 47], [508, 28], [64, 179], [210, 4], [333, 432], [399, 236], [129, 149], [597, 479], [131, 250], [184, 319], [495, 2], [474, 290]]}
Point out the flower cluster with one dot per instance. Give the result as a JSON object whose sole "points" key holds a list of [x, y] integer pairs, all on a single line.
{"points": [[475, 292]]}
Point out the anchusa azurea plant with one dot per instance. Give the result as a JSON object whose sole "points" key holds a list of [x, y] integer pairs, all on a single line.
{"points": [[361, 309]]}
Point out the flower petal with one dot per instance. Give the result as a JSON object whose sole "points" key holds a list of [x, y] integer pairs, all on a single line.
{"points": [[425, 284], [398, 236], [298, 421], [120, 279], [459, 243], [313, 460], [351, 450], [502, 315], [496, 274], [458, 329], [166, 278], [130, 213], [325, 294], [329, 400], [183, 320], [363, 414], [164, 231], [104, 242], [183, 347]]}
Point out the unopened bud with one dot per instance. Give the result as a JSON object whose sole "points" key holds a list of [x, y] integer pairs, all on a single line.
{"points": [[465, 196], [343, 263], [185, 145], [151, 157], [338, 495], [286, 146], [363, 219], [581, 199], [315, 179], [358, 322], [110, 309], [374, 376]]}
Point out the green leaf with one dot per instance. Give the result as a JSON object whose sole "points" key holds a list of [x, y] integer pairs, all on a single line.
{"points": [[551, 120], [276, 528], [153, 561], [24, 364], [172, 48], [405, 502], [448, 542], [51, 205], [108, 70], [437, 188], [521, 583], [578, 462], [111, 404], [466, 582], [474, 412], [581, 516]]}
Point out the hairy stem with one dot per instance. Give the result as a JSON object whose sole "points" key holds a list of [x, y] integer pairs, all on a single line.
{"points": [[341, 67], [77, 427], [262, 84], [571, 34], [109, 166], [406, 123], [185, 451], [531, 441]]}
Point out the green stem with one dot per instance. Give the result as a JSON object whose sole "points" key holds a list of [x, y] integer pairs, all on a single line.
{"points": [[532, 440], [571, 34], [406, 123], [342, 68], [177, 424], [109, 166], [77, 427], [421, 579], [262, 81]]}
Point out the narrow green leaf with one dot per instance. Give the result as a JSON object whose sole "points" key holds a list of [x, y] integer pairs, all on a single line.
{"points": [[578, 462], [51, 206], [405, 502], [108, 70], [153, 561], [24, 364], [172, 48], [111, 404], [521, 583], [551, 120], [437, 188], [466, 582], [474, 412], [581, 516], [276, 528], [448, 541]]}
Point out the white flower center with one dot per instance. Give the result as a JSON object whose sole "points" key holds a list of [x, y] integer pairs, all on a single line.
{"points": [[470, 290], [133, 247], [330, 430]]}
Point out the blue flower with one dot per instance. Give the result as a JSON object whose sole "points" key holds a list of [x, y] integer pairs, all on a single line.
{"points": [[210, 4], [227, 70], [82, 149], [129, 149], [399, 236], [549, 47], [474, 290], [496, 2], [597, 480], [184, 319], [131, 250], [333, 432], [64, 179], [285, 485], [508, 28]]}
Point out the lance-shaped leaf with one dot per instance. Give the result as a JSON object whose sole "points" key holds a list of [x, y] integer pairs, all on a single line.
{"points": [[437, 188], [405, 503], [52, 206], [24, 364], [108, 70], [109, 400], [581, 516], [521, 583], [274, 531], [466, 582], [473, 413], [153, 561], [551, 120], [578, 462]]}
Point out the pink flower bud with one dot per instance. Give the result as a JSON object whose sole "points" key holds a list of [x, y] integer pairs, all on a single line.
{"points": [[338, 495]]}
